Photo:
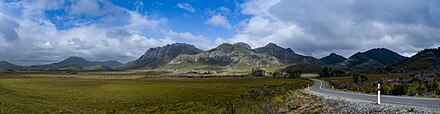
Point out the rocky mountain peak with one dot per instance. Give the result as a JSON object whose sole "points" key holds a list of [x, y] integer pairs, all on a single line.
{"points": [[159, 56], [242, 45]]}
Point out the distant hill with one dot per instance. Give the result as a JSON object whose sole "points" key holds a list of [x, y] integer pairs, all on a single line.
{"points": [[287, 56], [226, 56], [423, 60], [160, 56], [77, 62], [333, 58], [98, 68], [373, 58], [4, 65]]}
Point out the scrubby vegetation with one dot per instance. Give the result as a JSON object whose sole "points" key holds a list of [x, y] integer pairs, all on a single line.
{"points": [[289, 72], [330, 72], [421, 84], [144, 95]]}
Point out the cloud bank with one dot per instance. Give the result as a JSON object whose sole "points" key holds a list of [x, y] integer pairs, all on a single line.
{"points": [[45, 31], [318, 27]]}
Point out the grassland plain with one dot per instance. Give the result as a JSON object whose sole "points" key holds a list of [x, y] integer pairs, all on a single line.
{"points": [[143, 95]]}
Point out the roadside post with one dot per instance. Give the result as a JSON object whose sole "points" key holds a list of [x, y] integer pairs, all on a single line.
{"points": [[378, 93]]}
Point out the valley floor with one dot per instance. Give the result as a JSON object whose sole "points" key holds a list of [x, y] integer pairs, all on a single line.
{"points": [[145, 95]]}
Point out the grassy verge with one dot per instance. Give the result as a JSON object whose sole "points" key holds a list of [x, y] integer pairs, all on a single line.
{"points": [[152, 95]]}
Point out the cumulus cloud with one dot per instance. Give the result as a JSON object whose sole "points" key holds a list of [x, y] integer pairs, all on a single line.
{"points": [[318, 27], [198, 40], [186, 7], [41, 42], [8, 28], [219, 21]]}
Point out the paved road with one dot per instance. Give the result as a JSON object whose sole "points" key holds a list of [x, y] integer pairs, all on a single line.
{"points": [[417, 101]]}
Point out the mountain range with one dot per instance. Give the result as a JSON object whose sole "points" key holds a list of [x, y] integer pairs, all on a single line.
{"points": [[370, 59], [70, 63], [226, 56], [240, 56], [423, 60]]}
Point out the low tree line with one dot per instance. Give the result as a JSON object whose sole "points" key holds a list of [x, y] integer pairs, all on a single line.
{"points": [[283, 73]]}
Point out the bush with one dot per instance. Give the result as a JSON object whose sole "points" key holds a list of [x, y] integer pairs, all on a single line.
{"points": [[385, 89], [399, 89]]}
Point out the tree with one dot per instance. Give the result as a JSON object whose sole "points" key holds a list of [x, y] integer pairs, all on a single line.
{"points": [[294, 73], [329, 72], [276, 74], [355, 78], [258, 72], [399, 89], [325, 72], [363, 78]]}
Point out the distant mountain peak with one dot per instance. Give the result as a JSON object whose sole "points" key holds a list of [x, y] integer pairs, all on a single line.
{"points": [[372, 58], [333, 54], [75, 58], [333, 58], [77, 62], [243, 45], [286, 55], [7, 65], [272, 45], [160, 56]]}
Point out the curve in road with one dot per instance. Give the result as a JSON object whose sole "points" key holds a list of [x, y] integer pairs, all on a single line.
{"points": [[320, 87]]}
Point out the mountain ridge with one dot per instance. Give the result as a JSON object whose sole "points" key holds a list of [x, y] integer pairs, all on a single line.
{"points": [[373, 58], [78, 62]]}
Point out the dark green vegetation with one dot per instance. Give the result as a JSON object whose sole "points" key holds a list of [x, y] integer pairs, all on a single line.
{"points": [[144, 95]]}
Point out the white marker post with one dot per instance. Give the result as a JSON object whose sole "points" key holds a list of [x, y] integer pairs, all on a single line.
{"points": [[378, 93]]}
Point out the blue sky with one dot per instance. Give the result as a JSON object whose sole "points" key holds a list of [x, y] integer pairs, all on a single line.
{"points": [[45, 31]]}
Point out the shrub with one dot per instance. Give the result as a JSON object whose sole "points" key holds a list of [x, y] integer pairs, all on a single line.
{"points": [[355, 78], [399, 89], [385, 89]]}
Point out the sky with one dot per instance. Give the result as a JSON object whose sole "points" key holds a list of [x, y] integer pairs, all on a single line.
{"points": [[45, 31]]}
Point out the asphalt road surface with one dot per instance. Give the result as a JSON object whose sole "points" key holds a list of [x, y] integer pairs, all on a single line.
{"points": [[320, 87]]}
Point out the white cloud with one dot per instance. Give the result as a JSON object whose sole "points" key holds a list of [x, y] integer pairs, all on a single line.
{"points": [[41, 42], [318, 27], [219, 21], [198, 40], [186, 7], [225, 10], [139, 21]]}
